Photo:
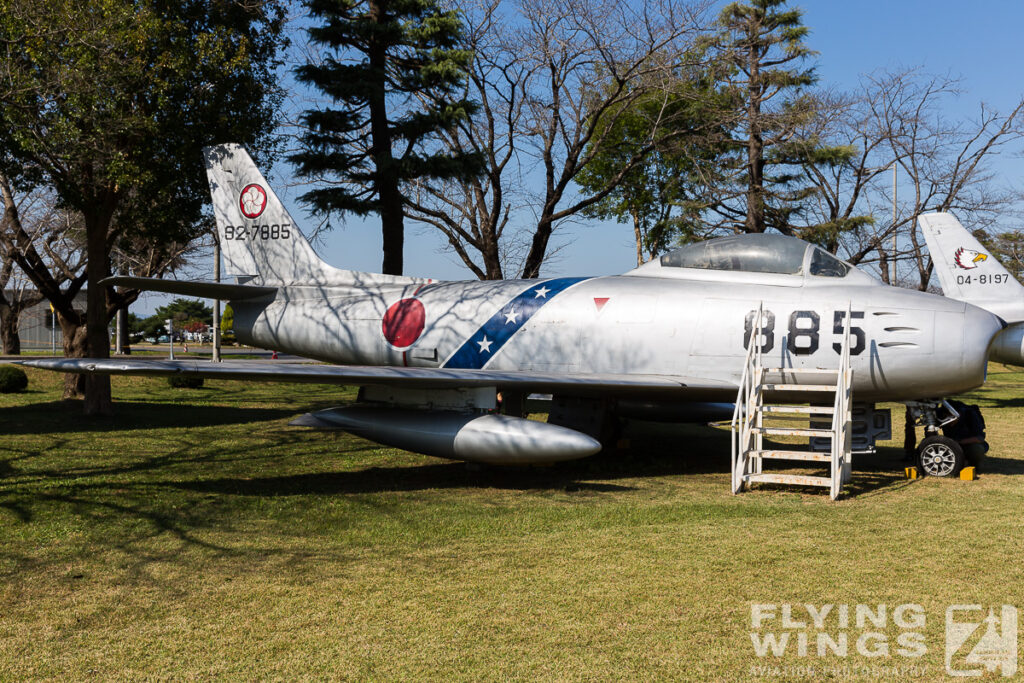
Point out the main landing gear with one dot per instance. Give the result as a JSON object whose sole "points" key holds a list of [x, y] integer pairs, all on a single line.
{"points": [[937, 455], [940, 456]]}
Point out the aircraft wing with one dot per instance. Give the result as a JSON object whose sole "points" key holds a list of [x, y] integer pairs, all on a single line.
{"points": [[421, 378]]}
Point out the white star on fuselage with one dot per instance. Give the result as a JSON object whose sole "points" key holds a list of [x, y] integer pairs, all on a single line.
{"points": [[510, 317], [485, 345], [541, 293]]}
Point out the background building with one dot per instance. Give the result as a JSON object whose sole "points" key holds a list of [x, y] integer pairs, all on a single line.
{"points": [[37, 326]]}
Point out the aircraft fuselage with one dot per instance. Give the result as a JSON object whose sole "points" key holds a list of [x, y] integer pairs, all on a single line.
{"points": [[904, 344]]}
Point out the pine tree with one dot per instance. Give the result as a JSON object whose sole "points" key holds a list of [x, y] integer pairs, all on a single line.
{"points": [[394, 70], [762, 52]]}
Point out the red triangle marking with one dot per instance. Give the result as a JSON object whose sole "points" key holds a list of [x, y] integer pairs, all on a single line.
{"points": [[600, 302]]}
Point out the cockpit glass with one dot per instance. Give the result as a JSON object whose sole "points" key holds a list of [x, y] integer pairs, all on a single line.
{"points": [[827, 265], [753, 253]]}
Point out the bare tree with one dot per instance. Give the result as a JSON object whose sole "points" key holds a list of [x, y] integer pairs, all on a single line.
{"points": [[47, 246], [474, 214], [15, 297], [548, 75], [896, 118], [847, 206], [16, 293]]}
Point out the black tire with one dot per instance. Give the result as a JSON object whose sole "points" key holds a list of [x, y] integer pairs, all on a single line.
{"points": [[940, 456]]}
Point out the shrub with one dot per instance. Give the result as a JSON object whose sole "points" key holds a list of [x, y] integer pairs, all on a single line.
{"points": [[12, 379], [185, 381]]}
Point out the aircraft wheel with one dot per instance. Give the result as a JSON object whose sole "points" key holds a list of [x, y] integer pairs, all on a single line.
{"points": [[940, 456]]}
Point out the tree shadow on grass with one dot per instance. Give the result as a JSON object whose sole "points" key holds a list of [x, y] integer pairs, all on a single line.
{"points": [[177, 495], [997, 465], [443, 475], [67, 417], [1000, 402], [679, 451], [101, 491], [133, 526], [690, 450]]}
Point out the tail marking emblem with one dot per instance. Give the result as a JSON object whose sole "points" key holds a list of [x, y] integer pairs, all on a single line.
{"points": [[252, 201], [968, 258]]}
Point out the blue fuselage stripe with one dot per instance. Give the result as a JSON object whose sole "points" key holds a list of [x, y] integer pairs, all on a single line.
{"points": [[483, 344]]}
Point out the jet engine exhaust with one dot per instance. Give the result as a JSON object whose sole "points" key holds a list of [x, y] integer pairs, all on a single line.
{"points": [[492, 439], [1008, 346]]}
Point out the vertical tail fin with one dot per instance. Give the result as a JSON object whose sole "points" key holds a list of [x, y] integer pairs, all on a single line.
{"points": [[258, 238], [967, 271]]}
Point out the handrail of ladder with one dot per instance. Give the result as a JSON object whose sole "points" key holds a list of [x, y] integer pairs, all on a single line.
{"points": [[841, 413], [741, 415]]}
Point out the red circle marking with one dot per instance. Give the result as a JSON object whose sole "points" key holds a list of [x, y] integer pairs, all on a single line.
{"points": [[252, 201], [403, 322]]}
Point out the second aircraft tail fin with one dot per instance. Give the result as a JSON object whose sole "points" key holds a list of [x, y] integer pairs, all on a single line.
{"points": [[258, 237], [966, 269]]}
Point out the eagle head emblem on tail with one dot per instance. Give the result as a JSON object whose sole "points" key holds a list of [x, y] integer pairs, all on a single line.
{"points": [[968, 258]]}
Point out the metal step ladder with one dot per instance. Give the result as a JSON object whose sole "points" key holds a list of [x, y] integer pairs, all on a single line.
{"points": [[796, 393]]}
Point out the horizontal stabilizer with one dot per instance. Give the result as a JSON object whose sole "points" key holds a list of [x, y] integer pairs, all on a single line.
{"points": [[204, 290], [358, 375]]}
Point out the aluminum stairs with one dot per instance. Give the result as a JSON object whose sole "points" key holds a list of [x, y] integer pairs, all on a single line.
{"points": [[786, 396]]}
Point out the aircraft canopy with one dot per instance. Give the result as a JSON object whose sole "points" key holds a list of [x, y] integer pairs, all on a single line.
{"points": [[757, 253]]}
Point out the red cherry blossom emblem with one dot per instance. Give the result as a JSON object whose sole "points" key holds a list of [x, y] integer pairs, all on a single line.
{"points": [[252, 201], [403, 322]]}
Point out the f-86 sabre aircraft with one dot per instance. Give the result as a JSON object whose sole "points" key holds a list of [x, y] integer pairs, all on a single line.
{"points": [[658, 342]]}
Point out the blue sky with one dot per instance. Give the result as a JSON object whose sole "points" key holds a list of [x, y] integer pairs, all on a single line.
{"points": [[980, 42]]}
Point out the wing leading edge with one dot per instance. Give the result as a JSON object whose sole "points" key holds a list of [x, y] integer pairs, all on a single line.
{"points": [[422, 378]]}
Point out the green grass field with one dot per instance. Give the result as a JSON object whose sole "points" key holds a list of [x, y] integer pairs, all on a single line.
{"points": [[197, 535]]}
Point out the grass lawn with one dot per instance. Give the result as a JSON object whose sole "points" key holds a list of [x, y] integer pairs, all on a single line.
{"points": [[197, 535]]}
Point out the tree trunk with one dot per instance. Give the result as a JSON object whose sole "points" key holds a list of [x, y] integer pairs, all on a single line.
{"points": [[97, 338], [883, 266], [386, 181], [491, 256], [755, 147], [493, 264], [755, 189], [538, 248], [74, 347], [9, 339], [392, 226], [638, 233]]}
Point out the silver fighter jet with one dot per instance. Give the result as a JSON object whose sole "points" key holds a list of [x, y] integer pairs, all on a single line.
{"points": [[444, 367]]}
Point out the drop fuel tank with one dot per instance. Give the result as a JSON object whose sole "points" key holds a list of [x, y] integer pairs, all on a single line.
{"points": [[494, 439]]}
